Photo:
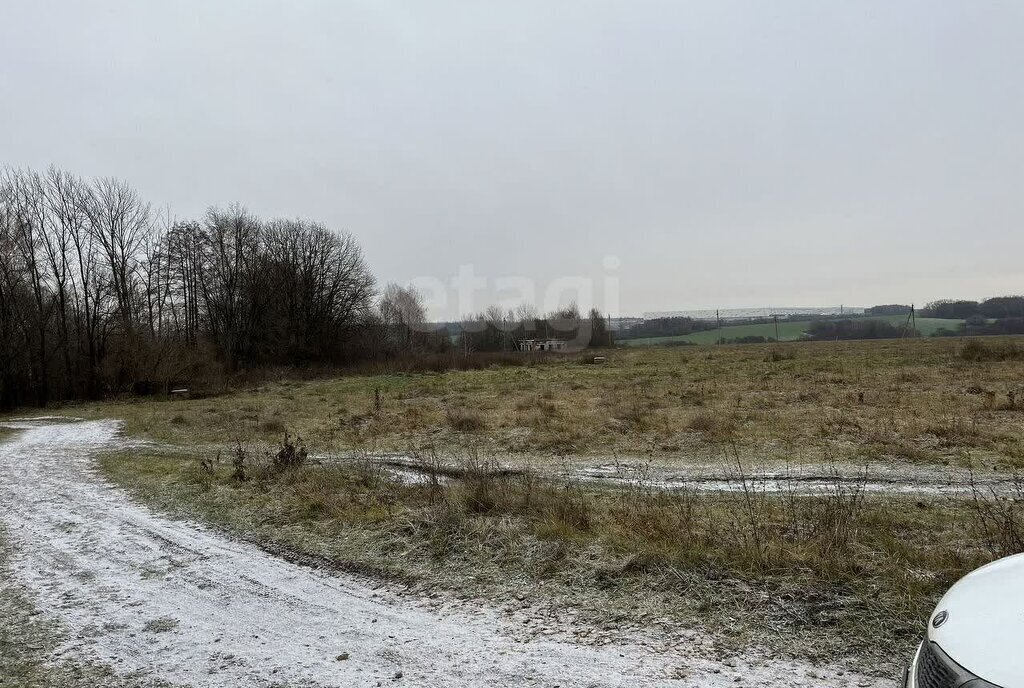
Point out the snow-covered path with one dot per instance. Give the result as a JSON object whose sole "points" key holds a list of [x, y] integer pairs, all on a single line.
{"points": [[181, 603]]}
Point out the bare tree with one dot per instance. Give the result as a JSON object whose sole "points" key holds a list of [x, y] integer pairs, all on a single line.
{"points": [[322, 284], [230, 265], [120, 222], [93, 293], [30, 216], [68, 219], [13, 339], [402, 314]]}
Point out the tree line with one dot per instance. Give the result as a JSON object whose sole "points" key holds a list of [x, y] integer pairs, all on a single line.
{"points": [[962, 309], [496, 330], [99, 294]]}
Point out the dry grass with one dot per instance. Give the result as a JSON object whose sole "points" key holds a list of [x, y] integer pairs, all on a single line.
{"points": [[999, 518], [465, 420], [716, 427], [796, 572], [817, 570], [913, 400], [978, 350]]}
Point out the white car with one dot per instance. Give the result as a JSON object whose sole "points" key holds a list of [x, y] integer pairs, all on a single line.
{"points": [[975, 636]]}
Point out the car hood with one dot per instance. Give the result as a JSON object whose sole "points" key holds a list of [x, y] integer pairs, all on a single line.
{"points": [[984, 632]]}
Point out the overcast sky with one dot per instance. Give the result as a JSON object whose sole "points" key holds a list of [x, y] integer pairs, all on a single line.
{"points": [[720, 154]]}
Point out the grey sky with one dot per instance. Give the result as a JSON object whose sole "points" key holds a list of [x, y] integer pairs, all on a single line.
{"points": [[727, 153]]}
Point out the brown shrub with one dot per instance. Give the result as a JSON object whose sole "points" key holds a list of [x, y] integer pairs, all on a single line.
{"points": [[273, 427], [465, 420], [714, 426]]}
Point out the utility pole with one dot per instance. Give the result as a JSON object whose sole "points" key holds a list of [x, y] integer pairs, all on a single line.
{"points": [[911, 318]]}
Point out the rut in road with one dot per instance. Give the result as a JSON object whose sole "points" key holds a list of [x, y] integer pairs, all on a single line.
{"points": [[181, 603]]}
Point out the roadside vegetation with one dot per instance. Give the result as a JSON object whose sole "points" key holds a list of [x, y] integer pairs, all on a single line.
{"points": [[831, 576]]}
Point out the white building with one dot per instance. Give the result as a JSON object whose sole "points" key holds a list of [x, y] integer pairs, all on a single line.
{"points": [[542, 344]]}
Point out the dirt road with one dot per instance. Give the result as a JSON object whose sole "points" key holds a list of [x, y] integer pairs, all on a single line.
{"points": [[177, 602]]}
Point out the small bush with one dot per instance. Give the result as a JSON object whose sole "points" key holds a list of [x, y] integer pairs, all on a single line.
{"points": [[999, 519], [238, 464], [776, 355], [713, 426], [953, 431], [273, 427], [290, 455], [465, 420], [636, 409]]}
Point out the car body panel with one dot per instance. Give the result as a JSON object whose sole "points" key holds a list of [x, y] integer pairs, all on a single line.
{"points": [[984, 630], [910, 673]]}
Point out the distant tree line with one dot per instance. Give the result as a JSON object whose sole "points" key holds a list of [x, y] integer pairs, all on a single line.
{"points": [[889, 309], [672, 326], [999, 315], [979, 325], [496, 330], [960, 309], [860, 328], [994, 316]]}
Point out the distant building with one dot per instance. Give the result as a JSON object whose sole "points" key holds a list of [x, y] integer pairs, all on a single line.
{"points": [[529, 345]]}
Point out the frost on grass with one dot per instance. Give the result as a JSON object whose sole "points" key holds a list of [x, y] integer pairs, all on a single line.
{"points": [[247, 617], [162, 625], [28, 641]]}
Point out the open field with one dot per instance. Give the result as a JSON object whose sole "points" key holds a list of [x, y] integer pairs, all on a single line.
{"points": [[499, 510], [826, 578], [788, 331], [500, 505], [903, 403]]}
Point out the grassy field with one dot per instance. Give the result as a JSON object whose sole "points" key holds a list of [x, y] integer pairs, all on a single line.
{"points": [[491, 520], [826, 577], [910, 401], [788, 331]]}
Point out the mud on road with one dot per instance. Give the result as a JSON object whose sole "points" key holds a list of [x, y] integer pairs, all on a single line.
{"points": [[172, 601]]}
